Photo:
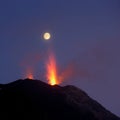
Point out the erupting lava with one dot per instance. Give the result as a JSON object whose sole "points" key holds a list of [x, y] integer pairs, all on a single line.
{"points": [[51, 70], [29, 74]]}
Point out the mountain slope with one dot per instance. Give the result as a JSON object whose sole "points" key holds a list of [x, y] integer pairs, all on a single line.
{"points": [[33, 99]]}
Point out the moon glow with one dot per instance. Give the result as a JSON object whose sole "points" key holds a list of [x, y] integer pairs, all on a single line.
{"points": [[46, 36]]}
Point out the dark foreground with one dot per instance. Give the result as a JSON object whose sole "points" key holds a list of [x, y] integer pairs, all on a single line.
{"points": [[36, 100]]}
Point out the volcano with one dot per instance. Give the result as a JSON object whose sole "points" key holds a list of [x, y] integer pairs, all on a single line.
{"points": [[36, 100]]}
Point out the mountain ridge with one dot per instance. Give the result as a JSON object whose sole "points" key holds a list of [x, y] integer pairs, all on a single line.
{"points": [[38, 100]]}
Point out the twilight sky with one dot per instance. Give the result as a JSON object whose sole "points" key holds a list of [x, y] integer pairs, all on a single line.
{"points": [[85, 37]]}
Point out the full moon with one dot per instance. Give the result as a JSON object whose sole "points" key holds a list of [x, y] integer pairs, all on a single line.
{"points": [[46, 36]]}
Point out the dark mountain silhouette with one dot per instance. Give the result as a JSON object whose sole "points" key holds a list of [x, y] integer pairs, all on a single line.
{"points": [[36, 100]]}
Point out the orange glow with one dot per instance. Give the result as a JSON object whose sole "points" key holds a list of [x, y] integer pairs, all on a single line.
{"points": [[51, 70], [29, 74]]}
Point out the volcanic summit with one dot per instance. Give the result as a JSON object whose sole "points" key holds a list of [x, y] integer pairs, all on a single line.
{"points": [[36, 100]]}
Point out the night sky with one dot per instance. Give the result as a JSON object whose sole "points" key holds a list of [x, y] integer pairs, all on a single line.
{"points": [[85, 34]]}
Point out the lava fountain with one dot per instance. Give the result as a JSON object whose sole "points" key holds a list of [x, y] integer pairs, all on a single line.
{"points": [[51, 68], [29, 74]]}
